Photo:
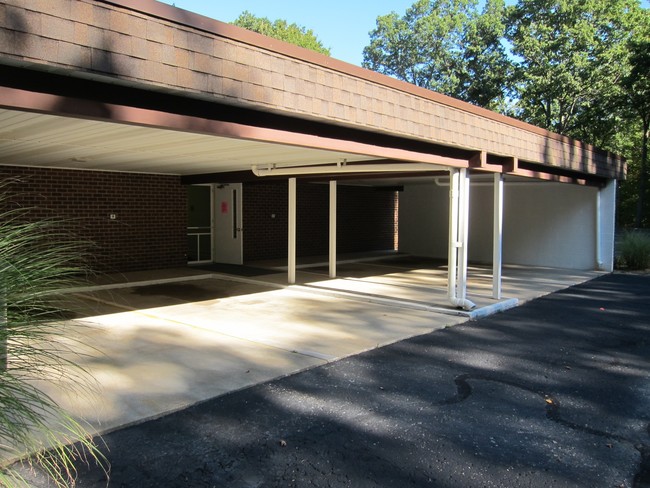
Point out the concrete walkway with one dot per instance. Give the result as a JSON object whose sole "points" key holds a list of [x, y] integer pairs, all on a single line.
{"points": [[157, 342], [152, 361], [554, 393]]}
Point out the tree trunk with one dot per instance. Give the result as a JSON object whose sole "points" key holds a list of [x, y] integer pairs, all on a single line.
{"points": [[643, 175]]}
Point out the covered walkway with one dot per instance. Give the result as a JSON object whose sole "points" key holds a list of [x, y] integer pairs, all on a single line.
{"points": [[159, 341]]}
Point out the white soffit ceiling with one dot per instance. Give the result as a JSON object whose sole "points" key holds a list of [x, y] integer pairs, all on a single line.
{"points": [[32, 139]]}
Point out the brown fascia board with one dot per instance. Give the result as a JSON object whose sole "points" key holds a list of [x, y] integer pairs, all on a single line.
{"points": [[549, 173], [196, 21]]}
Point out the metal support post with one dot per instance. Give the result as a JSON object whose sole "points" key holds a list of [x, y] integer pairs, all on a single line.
{"points": [[291, 268], [332, 246]]}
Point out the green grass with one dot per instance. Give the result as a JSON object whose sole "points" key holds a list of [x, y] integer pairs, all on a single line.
{"points": [[634, 251], [37, 259]]}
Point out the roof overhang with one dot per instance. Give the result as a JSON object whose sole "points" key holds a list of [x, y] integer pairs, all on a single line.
{"points": [[53, 130], [55, 141], [192, 96]]}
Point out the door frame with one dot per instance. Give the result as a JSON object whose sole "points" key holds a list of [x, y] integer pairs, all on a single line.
{"points": [[212, 234]]}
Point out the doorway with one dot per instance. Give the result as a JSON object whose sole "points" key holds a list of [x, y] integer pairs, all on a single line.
{"points": [[199, 224], [214, 228], [228, 239]]}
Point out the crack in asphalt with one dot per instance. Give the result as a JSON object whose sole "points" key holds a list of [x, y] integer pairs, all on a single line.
{"points": [[552, 407]]}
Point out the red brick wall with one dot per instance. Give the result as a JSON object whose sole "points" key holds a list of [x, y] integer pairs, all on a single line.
{"points": [[265, 237], [149, 231], [365, 220]]}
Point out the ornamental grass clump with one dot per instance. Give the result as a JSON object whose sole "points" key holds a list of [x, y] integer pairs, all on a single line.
{"points": [[634, 251], [37, 259]]}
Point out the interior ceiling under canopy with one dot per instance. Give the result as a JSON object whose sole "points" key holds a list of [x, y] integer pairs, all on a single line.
{"points": [[34, 139]]}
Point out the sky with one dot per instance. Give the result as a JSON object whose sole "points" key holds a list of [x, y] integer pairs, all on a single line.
{"points": [[341, 25]]}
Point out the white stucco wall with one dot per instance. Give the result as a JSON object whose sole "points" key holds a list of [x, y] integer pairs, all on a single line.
{"points": [[550, 224], [544, 224]]}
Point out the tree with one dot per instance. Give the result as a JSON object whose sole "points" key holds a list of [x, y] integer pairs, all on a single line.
{"points": [[486, 80], [282, 30], [446, 46], [637, 88], [570, 58]]}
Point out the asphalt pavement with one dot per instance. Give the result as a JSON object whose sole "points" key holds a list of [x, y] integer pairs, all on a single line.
{"points": [[554, 393]]}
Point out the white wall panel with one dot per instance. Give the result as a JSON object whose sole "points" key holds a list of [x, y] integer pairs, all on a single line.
{"points": [[544, 224], [550, 224]]}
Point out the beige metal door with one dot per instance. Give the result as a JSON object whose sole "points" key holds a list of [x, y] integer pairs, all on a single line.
{"points": [[228, 238]]}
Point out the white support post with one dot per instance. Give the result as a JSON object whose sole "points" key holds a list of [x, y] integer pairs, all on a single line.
{"points": [[599, 232], [332, 246], [497, 236], [606, 226], [453, 234], [291, 268]]}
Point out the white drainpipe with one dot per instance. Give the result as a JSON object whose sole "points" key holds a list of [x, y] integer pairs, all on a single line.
{"points": [[458, 231], [343, 168]]}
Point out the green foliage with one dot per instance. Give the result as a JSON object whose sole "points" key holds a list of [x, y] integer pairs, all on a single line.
{"points": [[423, 46], [282, 30], [634, 251], [446, 46], [637, 89], [37, 258], [487, 75], [571, 56], [628, 142]]}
